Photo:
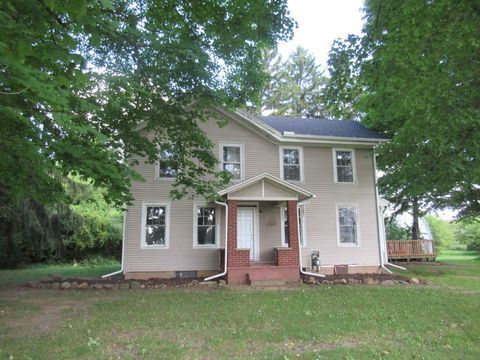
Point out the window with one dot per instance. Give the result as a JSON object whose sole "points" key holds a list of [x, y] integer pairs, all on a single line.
{"points": [[155, 218], [301, 224], [284, 225], [344, 165], [291, 163], [205, 231], [166, 169], [347, 225], [232, 155]]}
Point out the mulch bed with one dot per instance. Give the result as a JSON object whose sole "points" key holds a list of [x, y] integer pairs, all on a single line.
{"points": [[368, 279]]}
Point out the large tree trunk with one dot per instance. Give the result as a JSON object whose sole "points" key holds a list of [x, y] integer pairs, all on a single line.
{"points": [[415, 223]]}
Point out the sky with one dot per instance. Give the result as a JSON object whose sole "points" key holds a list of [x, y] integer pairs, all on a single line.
{"points": [[320, 22]]}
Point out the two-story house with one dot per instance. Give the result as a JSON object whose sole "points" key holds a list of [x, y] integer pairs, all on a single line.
{"points": [[299, 185]]}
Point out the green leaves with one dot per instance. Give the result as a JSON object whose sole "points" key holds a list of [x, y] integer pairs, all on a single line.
{"points": [[413, 76], [78, 77]]}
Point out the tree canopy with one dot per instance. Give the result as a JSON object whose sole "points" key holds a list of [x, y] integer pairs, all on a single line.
{"points": [[414, 75], [78, 77], [295, 85]]}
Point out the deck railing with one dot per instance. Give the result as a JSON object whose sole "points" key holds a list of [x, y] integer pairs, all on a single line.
{"points": [[411, 249]]}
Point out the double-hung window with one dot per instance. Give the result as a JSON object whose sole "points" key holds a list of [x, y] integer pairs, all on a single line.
{"points": [[205, 229], [155, 221], [166, 169], [344, 165], [347, 225], [291, 163], [232, 160]]}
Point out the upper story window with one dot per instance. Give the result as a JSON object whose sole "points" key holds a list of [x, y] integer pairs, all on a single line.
{"points": [[344, 165], [166, 169], [347, 225], [155, 220], [205, 229], [232, 159], [291, 166]]}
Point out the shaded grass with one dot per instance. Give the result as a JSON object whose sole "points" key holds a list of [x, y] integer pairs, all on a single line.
{"points": [[359, 322], [36, 272]]}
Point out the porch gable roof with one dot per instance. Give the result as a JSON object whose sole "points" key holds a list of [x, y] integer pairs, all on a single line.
{"points": [[265, 187]]}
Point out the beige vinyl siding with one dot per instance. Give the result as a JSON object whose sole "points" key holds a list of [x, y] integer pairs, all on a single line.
{"points": [[260, 156], [254, 190], [272, 190], [321, 222]]}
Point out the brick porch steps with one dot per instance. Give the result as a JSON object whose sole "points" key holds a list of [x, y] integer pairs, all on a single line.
{"points": [[268, 275]]}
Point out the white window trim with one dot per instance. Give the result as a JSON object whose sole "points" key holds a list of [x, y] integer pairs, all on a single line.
{"points": [[335, 169], [355, 205], [304, 228], [195, 226], [242, 157], [157, 170], [143, 244], [300, 155], [282, 233]]}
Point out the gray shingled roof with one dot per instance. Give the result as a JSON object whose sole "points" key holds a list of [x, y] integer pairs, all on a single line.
{"points": [[321, 127]]}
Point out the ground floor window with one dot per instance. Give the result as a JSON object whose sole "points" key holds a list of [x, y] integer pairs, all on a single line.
{"points": [[284, 225], [155, 225], [205, 231], [347, 224]]}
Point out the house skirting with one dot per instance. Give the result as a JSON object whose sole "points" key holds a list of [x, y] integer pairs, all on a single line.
{"points": [[164, 274]]}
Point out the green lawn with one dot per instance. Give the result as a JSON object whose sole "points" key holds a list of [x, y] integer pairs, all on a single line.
{"points": [[441, 321]]}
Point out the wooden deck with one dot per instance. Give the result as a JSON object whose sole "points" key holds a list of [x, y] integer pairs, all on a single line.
{"points": [[411, 250]]}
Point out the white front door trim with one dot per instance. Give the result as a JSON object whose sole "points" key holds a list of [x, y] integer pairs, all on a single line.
{"points": [[255, 251]]}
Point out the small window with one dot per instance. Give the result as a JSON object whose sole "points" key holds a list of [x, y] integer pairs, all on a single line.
{"points": [[301, 224], [347, 225], [231, 155], [291, 166], [284, 225], [344, 161], [155, 225], [166, 169], [206, 226]]}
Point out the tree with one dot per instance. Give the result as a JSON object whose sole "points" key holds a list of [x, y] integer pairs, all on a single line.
{"points": [[415, 79], [78, 77], [443, 232], [295, 85]]}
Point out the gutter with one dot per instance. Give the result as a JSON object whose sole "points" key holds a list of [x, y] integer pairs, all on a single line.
{"points": [[226, 245], [123, 250], [299, 203]]}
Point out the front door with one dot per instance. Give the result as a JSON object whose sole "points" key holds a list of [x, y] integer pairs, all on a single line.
{"points": [[245, 234]]}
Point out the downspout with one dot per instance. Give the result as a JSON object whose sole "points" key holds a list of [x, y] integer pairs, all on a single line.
{"points": [[381, 236], [226, 244], [123, 250], [299, 203]]}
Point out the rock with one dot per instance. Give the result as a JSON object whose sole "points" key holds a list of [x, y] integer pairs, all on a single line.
{"points": [[193, 283], [402, 282], [325, 282], [74, 285], [116, 286], [108, 286], [205, 283], [222, 282], [135, 285], [311, 280], [142, 286], [54, 285], [388, 282], [414, 281], [98, 286], [369, 281], [57, 278], [162, 286], [33, 284], [83, 285], [65, 285], [339, 281], [351, 281], [124, 285]]}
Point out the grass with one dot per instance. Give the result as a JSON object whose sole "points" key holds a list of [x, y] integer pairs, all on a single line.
{"points": [[39, 271], [441, 321]]}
